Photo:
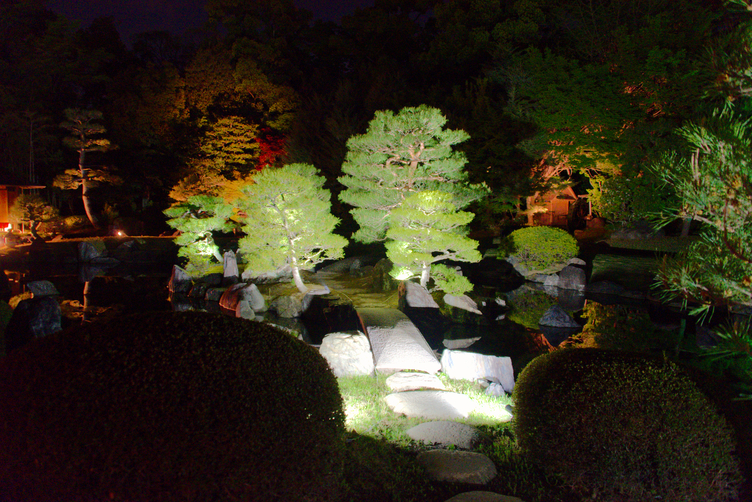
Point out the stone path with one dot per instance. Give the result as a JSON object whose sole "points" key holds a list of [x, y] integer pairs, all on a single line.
{"points": [[399, 347]]}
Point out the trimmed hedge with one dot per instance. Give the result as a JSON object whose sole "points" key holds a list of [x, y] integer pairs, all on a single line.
{"points": [[169, 406], [624, 427], [537, 248]]}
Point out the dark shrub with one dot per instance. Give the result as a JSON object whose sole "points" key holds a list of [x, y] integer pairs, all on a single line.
{"points": [[625, 427], [168, 406]]}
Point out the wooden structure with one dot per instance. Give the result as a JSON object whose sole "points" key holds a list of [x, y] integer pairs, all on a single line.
{"points": [[10, 188], [552, 208]]}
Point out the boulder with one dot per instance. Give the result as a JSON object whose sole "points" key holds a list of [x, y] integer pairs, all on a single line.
{"points": [[413, 294], [431, 404], [240, 292], [457, 466], [180, 281], [404, 381], [231, 274], [214, 294], [463, 302], [445, 434], [461, 365], [572, 277], [556, 317], [287, 306], [42, 288], [348, 354], [32, 318], [244, 310]]}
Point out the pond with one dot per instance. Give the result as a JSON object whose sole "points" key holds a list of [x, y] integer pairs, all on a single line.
{"points": [[113, 291]]}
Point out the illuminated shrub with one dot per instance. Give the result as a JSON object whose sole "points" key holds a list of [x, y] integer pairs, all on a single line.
{"points": [[537, 248], [625, 427], [168, 406]]}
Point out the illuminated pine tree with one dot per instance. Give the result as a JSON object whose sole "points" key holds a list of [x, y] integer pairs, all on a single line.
{"points": [[426, 229], [288, 221], [400, 154], [197, 219]]}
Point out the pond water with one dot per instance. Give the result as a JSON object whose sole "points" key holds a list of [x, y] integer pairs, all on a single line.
{"points": [[88, 294]]}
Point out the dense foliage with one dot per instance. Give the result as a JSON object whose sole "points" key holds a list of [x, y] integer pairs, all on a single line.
{"points": [[197, 219], [181, 406], [625, 427], [400, 154], [537, 248], [426, 229], [287, 220]]}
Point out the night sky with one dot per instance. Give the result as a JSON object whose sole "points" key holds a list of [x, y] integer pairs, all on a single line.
{"points": [[176, 16]]}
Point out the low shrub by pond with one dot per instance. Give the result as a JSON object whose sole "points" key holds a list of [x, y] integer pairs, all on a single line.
{"points": [[626, 427], [169, 406]]}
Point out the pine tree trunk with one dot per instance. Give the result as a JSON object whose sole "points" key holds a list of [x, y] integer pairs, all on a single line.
{"points": [[85, 188], [298, 280], [425, 274]]}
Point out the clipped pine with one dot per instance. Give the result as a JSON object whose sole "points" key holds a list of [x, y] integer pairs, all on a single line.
{"points": [[537, 248], [399, 154], [427, 228], [197, 219], [288, 221], [181, 406], [624, 427]]}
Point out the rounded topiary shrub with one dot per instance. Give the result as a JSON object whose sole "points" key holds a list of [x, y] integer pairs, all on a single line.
{"points": [[537, 248], [624, 427], [169, 406]]}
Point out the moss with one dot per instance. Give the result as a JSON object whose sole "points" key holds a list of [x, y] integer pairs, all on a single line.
{"points": [[168, 406], [624, 426]]}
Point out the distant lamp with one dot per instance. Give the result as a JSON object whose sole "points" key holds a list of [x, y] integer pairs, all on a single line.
{"points": [[120, 233]]}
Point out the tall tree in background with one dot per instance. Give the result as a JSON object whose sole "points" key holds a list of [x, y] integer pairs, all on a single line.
{"points": [[400, 154], [86, 132]]}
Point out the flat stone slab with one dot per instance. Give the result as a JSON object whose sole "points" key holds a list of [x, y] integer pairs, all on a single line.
{"points": [[405, 381], [396, 342], [480, 496], [444, 434], [431, 404], [457, 466], [462, 365]]}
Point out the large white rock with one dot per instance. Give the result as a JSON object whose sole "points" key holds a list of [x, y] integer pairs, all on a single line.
{"points": [[462, 302], [233, 295], [445, 434], [231, 274], [462, 365], [348, 354], [417, 296], [432, 404], [405, 381], [457, 466], [397, 344]]}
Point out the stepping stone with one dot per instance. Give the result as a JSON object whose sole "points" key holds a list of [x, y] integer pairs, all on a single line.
{"points": [[479, 496], [457, 466], [397, 344], [446, 434], [461, 365], [405, 381], [431, 404]]}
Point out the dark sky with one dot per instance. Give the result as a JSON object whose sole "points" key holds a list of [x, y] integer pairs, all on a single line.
{"points": [[136, 16]]}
